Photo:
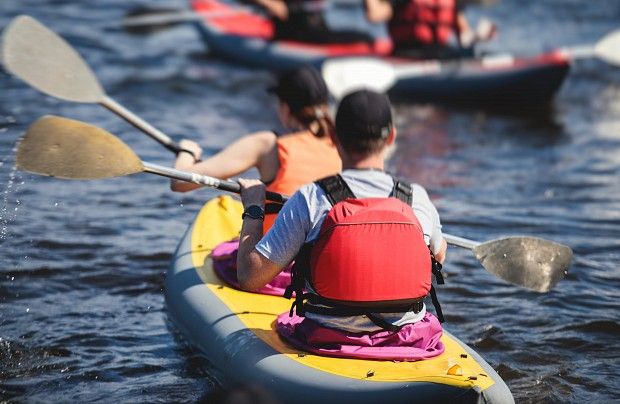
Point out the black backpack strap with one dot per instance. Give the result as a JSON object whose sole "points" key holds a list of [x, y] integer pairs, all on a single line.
{"points": [[436, 269], [402, 191], [436, 304], [335, 189], [299, 273]]}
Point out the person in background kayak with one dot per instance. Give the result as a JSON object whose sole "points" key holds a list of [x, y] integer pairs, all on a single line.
{"points": [[429, 28], [304, 21], [283, 162], [367, 262]]}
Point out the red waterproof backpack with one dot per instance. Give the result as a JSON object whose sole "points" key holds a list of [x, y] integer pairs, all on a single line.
{"points": [[370, 256]]}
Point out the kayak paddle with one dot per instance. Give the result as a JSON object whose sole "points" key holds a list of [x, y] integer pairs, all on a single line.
{"points": [[146, 20], [347, 74], [48, 63], [66, 148], [60, 147], [532, 262]]}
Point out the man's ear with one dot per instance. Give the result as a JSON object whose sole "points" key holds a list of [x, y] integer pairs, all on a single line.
{"points": [[391, 137]]}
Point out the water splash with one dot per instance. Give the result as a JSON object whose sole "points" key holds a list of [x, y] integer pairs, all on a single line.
{"points": [[8, 212]]}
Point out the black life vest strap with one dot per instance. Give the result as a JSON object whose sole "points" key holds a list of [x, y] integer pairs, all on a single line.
{"points": [[402, 191], [436, 304], [319, 305], [273, 207], [335, 188], [299, 273], [436, 269]]}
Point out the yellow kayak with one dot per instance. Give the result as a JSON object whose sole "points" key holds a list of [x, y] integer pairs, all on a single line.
{"points": [[236, 331]]}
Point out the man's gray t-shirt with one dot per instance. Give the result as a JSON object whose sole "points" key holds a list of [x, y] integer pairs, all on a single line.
{"points": [[300, 222]]}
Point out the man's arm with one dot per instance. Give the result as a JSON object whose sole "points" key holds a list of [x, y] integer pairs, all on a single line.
{"points": [[253, 269], [440, 255]]}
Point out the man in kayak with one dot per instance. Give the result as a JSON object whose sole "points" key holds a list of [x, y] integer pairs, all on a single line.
{"points": [[429, 28], [367, 262], [304, 21], [284, 162]]}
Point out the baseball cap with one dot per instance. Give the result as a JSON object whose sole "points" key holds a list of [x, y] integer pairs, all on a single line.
{"points": [[301, 87], [364, 114]]}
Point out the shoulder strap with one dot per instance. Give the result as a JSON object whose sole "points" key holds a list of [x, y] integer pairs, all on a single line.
{"points": [[335, 188], [402, 191]]}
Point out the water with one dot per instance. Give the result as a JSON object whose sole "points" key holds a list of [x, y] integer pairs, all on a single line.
{"points": [[82, 314]]}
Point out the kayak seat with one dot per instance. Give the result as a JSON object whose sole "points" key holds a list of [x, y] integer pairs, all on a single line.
{"points": [[224, 257], [413, 342]]}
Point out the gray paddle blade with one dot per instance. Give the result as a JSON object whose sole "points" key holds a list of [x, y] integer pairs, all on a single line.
{"points": [[47, 62], [531, 262], [64, 148]]}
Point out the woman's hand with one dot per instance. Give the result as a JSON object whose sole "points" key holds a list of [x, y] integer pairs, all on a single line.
{"points": [[192, 147]]}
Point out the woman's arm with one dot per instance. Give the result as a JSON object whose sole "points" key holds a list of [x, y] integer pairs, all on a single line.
{"points": [[276, 8], [255, 150], [378, 10]]}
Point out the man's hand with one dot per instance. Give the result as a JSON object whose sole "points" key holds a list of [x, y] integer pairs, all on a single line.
{"points": [[252, 192]]}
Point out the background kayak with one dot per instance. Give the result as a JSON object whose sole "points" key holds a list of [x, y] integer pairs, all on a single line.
{"points": [[82, 314], [245, 37]]}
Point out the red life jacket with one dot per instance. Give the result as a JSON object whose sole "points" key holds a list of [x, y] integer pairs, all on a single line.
{"points": [[423, 22], [370, 256]]}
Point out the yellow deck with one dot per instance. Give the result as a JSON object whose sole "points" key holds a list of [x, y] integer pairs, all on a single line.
{"points": [[220, 220]]}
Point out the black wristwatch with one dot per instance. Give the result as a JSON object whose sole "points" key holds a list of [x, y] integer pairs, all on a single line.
{"points": [[253, 212]]}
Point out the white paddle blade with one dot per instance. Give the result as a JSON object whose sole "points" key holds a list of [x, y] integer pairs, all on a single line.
{"points": [[608, 48], [47, 62], [346, 75]]}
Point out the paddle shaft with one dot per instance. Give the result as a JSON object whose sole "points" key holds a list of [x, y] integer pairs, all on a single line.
{"points": [[224, 185], [141, 124], [231, 186], [163, 18], [460, 241]]}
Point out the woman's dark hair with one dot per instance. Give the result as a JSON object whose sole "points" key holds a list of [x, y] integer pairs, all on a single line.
{"points": [[306, 94]]}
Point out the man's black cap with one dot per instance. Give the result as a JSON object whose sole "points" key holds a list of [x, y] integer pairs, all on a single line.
{"points": [[301, 87], [364, 114]]}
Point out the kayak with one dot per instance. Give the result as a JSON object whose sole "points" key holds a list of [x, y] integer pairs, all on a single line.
{"points": [[236, 331], [245, 37]]}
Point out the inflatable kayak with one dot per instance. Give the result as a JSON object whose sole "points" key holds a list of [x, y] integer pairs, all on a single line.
{"points": [[244, 37], [235, 330]]}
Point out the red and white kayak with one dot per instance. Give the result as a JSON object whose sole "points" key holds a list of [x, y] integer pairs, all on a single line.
{"points": [[246, 37]]}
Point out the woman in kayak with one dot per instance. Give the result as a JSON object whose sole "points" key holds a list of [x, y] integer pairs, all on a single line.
{"points": [[304, 20], [429, 28], [283, 162], [367, 262]]}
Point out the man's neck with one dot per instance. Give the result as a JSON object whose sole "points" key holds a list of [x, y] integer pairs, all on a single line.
{"points": [[375, 161]]}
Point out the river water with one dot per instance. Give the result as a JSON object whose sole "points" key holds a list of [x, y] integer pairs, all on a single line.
{"points": [[82, 313]]}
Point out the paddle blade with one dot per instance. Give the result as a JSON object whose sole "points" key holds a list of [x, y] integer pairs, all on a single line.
{"points": [[531, 262], [345, 75], [64, 148], [47, 62], [608, 48]]}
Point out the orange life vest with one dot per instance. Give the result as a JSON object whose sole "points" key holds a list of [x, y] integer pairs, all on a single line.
{"points": [[303, 158], [423, 22]]}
